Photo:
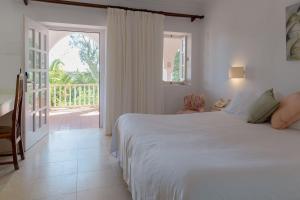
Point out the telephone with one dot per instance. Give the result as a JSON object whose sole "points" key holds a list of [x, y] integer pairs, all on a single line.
{"points": [[221, 103]]}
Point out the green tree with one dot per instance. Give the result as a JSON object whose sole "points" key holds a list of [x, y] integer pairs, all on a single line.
{"points": [[176, 68], [88, 52], [82, 78], [57, 74]]}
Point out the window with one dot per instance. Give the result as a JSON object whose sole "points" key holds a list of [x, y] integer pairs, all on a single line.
{"points": [[175, 58]]}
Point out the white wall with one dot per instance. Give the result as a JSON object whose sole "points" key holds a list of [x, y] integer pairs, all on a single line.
{"points": [[174, 93], [11, 35], [250, 33]]}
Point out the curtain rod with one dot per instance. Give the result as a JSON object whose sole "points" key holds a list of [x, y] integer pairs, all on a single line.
{"points": [[92, 5]]}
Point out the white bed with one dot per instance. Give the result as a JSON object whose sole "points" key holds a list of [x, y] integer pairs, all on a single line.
{"points": [[208, 156]]}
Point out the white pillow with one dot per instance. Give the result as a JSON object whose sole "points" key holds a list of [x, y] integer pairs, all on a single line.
{"points": [[296, 125], [241, 103]]}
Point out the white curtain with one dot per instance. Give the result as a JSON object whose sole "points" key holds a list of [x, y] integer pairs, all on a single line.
{"points": [[134, 64]]}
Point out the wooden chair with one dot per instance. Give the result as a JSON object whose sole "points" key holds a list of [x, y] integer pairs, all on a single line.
{"points": [[14, 133]]}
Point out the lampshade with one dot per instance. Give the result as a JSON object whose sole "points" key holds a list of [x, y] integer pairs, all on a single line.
{"points": [[237, 72]]}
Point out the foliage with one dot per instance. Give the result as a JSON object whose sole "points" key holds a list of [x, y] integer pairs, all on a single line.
{"points": [[88, 52], [176, 69], [78, 95], [89, 55], [82, 78], [57, 75]]}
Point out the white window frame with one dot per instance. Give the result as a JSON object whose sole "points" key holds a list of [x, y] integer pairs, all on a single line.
{"points": [[186, 63]]}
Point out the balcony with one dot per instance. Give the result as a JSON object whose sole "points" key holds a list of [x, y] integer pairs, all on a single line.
{"points": [[74, 106], [74, 95]]}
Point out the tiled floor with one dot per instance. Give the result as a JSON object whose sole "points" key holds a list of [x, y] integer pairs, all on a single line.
{"points": [[73, 118], [67, 165]]}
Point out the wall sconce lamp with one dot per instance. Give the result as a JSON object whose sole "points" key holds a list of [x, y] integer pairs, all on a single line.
{"points": [[237, 72]]}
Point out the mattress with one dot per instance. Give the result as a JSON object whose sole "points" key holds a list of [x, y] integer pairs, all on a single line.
{"points": [[206, 156]]}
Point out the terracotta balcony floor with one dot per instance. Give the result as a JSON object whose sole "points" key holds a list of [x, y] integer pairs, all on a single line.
{"points": [[73, 118]]}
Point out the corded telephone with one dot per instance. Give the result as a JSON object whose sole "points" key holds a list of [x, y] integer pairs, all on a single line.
{"points": [[221, 103]]}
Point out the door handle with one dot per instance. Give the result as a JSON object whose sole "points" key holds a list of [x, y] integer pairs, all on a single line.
{"points": [[27, 81], [27, 77]]}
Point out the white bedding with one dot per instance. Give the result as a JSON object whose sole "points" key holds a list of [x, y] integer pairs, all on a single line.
{"points": [[208, 156]]}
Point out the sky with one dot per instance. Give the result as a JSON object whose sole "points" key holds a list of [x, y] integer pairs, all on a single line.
{"points": [[68, 55]]}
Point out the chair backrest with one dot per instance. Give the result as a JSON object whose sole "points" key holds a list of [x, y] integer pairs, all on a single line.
{"points": [[17, 112]]}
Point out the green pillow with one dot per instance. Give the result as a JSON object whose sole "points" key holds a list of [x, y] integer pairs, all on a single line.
{"points": [[263, 108]]}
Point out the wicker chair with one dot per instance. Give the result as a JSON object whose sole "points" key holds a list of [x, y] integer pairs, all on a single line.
{"points": [[193, 104]]}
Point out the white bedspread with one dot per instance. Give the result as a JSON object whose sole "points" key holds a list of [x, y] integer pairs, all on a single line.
{"points": [[209, 156]]}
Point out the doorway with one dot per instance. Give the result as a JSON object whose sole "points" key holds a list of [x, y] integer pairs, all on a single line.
{"points": [[67, 90], [74, 77]]}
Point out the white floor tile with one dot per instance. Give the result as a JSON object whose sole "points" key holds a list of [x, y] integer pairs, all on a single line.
{"points": [[92, 180], [60, 197], [67, 165], [108, 193], [51, 186]]}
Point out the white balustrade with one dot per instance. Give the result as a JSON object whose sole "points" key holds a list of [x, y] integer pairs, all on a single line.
{"points": [[74, 95]]}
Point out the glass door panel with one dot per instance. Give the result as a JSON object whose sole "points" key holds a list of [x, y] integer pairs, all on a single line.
{"points": [[36, 90]]}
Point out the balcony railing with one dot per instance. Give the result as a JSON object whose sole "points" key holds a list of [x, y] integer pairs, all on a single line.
{"points": [[74, 95]]}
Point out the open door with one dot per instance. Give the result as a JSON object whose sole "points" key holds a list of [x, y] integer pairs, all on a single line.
{"points": [[37, 85]]}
